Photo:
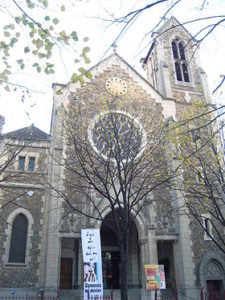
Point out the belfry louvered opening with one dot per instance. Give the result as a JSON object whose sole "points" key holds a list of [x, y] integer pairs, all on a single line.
{"points": [[180, 60]]}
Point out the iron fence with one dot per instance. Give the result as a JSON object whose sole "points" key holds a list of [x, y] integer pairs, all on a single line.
{"points": [[220, 295], [28, 297], [108, 297], [166, 295]]}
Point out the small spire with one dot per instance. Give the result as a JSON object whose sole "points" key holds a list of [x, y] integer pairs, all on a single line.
{"points": [[114, 46]]}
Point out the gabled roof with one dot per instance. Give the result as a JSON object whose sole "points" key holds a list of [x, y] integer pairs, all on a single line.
{"points": [[169, 24], [114, 59], [27, 133], [173, 23], [106, 64]]}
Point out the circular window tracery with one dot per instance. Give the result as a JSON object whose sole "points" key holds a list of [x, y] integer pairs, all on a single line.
{"points": [[117, 136]]}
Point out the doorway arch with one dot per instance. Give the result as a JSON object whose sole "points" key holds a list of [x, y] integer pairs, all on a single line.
{"points": [[111, 255]]}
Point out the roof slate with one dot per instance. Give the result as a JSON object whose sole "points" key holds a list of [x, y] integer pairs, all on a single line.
{"points": [[28, 133]]}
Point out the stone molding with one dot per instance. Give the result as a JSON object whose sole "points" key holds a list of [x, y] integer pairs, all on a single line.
{"points": [[8, 232]]}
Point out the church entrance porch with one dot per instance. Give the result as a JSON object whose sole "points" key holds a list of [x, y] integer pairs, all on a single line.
{"points": [[69, 264]]}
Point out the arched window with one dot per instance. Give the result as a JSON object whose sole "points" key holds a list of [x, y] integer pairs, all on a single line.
{"points": [[17, 251], [180, 60], [174, 48], [178, 71]]}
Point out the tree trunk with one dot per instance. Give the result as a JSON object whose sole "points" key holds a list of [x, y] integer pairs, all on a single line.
{"points": [[123, 271]]}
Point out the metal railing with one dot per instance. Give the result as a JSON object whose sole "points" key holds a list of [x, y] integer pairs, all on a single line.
{"points": [[108, 297], [217, 295], [28, 297], [166, 295]]}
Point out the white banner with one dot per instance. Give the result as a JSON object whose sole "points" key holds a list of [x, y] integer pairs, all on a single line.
{"points": [[92, 258]]}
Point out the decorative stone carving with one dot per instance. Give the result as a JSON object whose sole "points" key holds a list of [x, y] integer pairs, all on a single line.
{"points": [[213, 269]]}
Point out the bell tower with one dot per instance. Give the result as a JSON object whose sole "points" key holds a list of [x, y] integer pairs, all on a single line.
{"points": [[173, 66]]}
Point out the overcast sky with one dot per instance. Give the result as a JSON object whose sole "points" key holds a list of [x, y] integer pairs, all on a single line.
{"points": [[86, 18]]}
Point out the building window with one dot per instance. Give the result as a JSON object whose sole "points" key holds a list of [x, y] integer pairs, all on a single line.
{"points": [[31, 164], [207, 227], [17, 251], [27, 163], [21, 164], [180, 61]]}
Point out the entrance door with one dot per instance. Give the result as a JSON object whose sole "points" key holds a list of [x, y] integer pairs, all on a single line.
{"points": [[111, 269], [214, 288], [66, 273]]}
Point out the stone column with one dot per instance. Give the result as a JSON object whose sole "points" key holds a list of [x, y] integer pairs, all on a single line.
{"points": [[53, 247], [183, 249], [80, 271], [143, 260], [152, 246]]}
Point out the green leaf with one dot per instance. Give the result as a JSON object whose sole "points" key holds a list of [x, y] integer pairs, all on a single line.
{"points": [[18, 20], [49, 54], [40, 32], [3, 45], [17, 34], [39, 69], [31, 25], [11, 26], [74, 36], [26, 49], [86, 49], [74, 78], [63, 8], [62, 34], [76, 61], [88, 74], [39, 43], [22, 66], [24, 19], [82, 70], [7, 88], [13, 41], [55, 21], [46, 70], [47, 18], [45, 3], [20, 61], [6, 34], [30, 4], [41, 55], [81, 79]]}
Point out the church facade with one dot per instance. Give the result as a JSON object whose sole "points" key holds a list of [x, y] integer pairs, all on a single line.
{"points": [[40, 250]]}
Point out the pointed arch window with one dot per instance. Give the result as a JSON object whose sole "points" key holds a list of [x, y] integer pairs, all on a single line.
{"points": [[180, 61], [17, 251]]}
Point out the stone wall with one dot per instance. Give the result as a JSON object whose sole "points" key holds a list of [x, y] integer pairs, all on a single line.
{"points": [[23, 192]]}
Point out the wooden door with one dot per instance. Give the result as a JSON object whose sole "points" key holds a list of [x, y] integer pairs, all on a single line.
{"points": [[66, 273]]}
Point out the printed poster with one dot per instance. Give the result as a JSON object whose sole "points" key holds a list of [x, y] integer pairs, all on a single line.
{"points": [[155, 277], [92, 258]]}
